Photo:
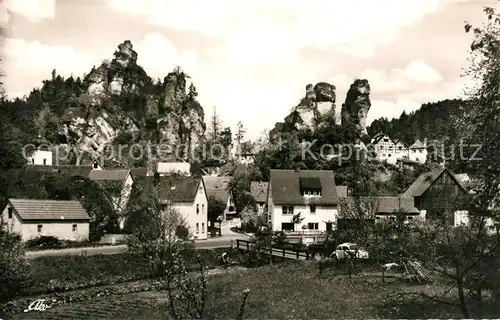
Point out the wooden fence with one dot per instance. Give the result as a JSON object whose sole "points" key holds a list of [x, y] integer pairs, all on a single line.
{"points": [[245, 245]]}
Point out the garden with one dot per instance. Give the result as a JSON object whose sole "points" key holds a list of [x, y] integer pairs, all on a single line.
{"points": [[292, 290]]}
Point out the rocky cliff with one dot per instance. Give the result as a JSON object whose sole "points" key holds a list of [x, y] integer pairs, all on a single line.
{"points": [[116, 104], [357, 104], [316, 116]]}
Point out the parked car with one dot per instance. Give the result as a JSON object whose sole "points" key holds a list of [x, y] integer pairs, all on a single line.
{"points": [[349, 250]]}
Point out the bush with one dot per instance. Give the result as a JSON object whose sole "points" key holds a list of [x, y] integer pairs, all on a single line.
{"points": [[13, 266], [44, 242], [182, 232]]}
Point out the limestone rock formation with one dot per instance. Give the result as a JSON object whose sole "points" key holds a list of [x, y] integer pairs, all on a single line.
{"points": [[118, 103], [357, 104], [318, 102]]}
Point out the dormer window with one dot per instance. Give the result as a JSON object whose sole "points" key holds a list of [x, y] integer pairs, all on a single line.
{"points": [[310, 186]]}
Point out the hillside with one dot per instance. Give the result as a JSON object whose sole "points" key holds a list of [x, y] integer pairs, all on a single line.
{"points": [[432, 121]]}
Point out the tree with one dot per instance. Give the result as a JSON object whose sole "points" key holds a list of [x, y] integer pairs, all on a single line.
{"points": [[240, 133], [215, 125], [251, 220], [216, 210], [225, 138], [13, 265], [156, 239]]}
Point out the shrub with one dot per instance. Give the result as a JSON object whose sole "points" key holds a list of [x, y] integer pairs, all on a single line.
{"points": [[44, 242], [13, 266], [182, 232]]}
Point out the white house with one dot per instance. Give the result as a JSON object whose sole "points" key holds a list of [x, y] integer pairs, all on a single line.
{"points": [[418, 151], [117, 181], [41, 157], [384, 148], [312, 193], [218, 188], [258, 190], [401, 149], [186, 195], [66, 220], [166, 168]]}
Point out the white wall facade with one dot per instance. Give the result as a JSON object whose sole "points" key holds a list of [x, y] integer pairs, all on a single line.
{"points": [[196, 220], [322, 216], [60, 229], [418, 155], [41, 157], [385, 150]]}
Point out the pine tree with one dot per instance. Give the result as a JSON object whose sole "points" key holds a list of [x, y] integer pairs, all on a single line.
{"points": [[215, 125], [240, 133]]}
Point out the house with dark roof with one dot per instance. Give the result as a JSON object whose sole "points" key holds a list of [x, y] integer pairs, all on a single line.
{"points": [[312, 193], [436, 192], [383, 207], [118, 183], [188, 196], [66, 220], [258, 190], [218, 188]]}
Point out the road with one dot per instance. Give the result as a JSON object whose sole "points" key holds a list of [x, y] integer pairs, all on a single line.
{"points": [[223, 241]]}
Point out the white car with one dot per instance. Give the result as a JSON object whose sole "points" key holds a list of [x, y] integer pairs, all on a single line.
{"points": [[349, 250]]}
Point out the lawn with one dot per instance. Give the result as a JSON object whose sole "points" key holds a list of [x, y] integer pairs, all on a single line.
{"points": [[63, 273], [282, 291]]}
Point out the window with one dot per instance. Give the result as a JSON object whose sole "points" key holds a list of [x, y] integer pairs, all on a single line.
{"points": [[32, 160], [75, 227], [10, 212], [386, 140], [389, 155], [95, 165], [39, 228], [197, 227], [44, 161], [287, 209], [203, 227], [312, 226], [203, 208], [312, 208], [287, 226], [197, 208]]}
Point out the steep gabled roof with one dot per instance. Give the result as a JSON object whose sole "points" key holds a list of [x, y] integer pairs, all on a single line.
{"points": [[178, 188], [379, 137], [389, 205], [417, 145], [258, 190], [49, 210], [217, 187], [285, 187], [109, 175], [138, 172], [425, 180]]}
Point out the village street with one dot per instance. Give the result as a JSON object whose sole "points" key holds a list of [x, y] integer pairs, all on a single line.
{"points": [[210, 243]]}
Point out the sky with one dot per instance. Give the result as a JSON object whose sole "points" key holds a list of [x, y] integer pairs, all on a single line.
{"points": [[253, 59]]}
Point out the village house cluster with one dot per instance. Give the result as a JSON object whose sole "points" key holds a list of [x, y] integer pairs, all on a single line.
{"points": [[312, 194]]}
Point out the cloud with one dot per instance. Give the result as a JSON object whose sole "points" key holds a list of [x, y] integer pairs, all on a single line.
{"points": [[158, 56], [412, 101], [256, 30], [414, 76], [33, 10], [28, 63]]}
